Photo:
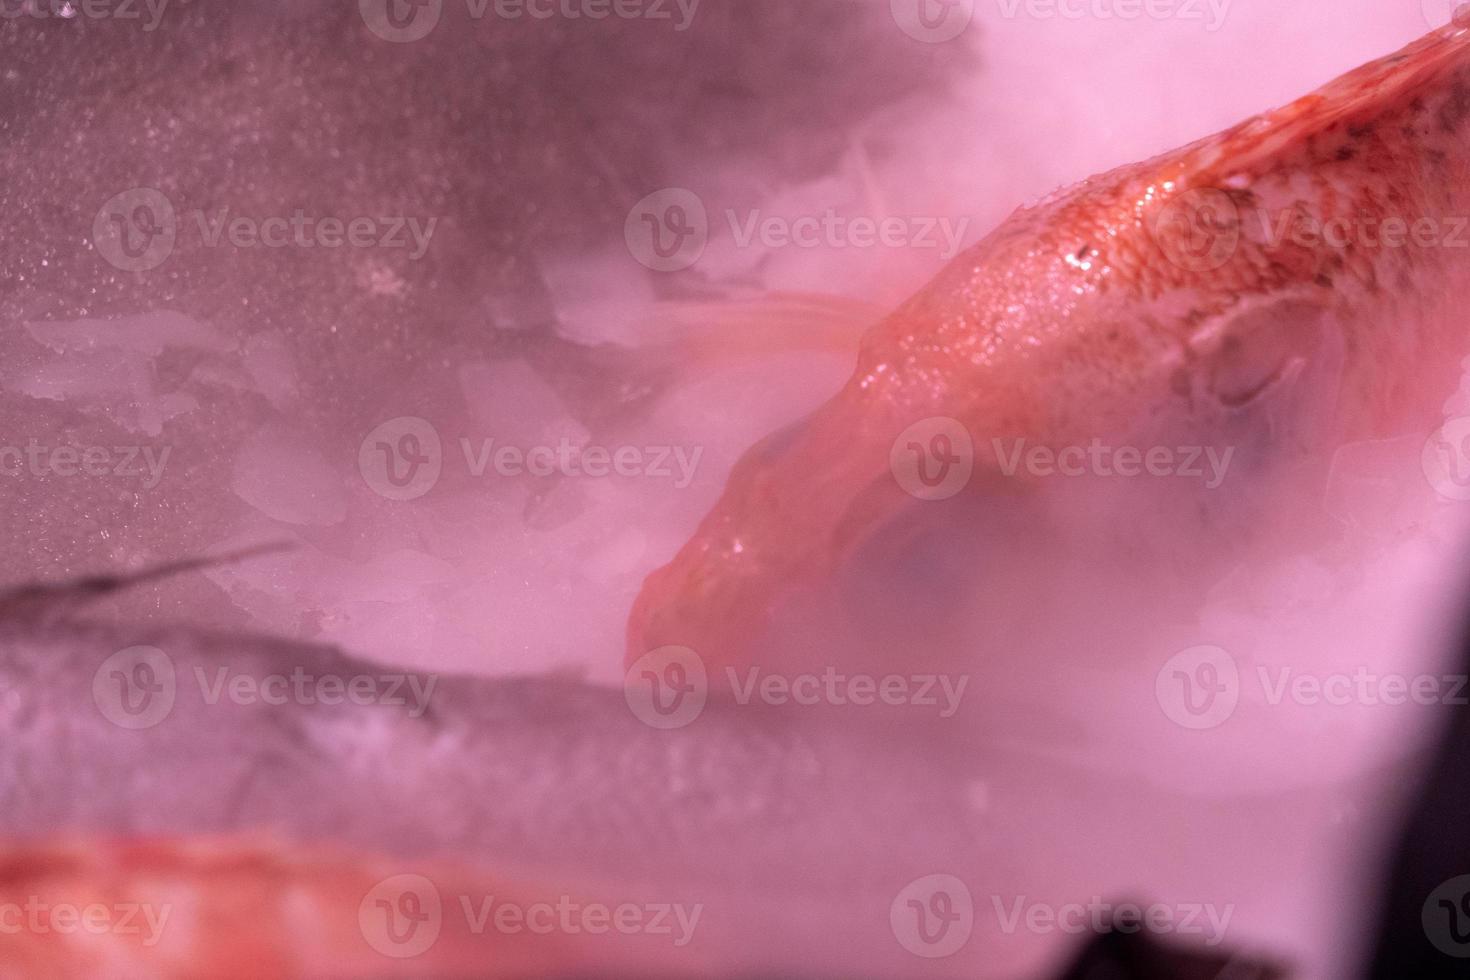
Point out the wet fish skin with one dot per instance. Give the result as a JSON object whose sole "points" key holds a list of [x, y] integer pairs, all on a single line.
{"points": [[1087, 316], [793, 834], [546, 772], [233, 908]]}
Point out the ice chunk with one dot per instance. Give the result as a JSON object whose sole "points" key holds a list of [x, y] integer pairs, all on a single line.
{"points": [[516, 407], [272, 368], [601, 298], [148, 333], [107, 367], [287, 479]]}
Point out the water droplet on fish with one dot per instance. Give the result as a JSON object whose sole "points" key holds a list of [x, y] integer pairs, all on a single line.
{"points": [[1458, 23]]}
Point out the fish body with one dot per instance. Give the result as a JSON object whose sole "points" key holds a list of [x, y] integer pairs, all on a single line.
{"points": [[1285, 285], [259, 790], [232, 908]]}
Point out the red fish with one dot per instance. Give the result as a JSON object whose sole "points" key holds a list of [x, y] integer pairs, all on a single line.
{"points": [[1310, 249], [223, 909]]}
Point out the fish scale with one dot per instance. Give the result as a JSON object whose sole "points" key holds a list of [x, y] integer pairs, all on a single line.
{"points": [[545, 771], [1024, 335]]}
